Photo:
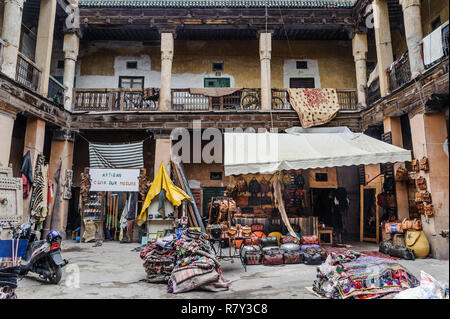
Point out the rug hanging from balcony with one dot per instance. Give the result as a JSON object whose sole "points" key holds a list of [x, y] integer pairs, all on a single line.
{"points": [[314, 106], [214, 92], [116, 155]]}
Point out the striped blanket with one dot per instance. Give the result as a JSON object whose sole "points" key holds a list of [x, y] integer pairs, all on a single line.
{"points": [[116, 155]]}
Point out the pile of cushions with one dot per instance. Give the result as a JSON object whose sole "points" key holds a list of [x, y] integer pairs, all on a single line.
{"points": [[276, 249], [354, 275], [159, 259], [196, 266]]}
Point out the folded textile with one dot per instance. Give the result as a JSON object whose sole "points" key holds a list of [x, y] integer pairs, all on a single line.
{"points": [[196, 266], [351, 275]]}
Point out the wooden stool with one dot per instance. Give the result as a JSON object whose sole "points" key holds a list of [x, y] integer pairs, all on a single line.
{"points": [[328, 231]]}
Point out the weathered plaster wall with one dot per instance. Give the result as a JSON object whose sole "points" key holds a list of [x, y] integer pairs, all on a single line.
{"points": [[101, 63], [438, 8]]}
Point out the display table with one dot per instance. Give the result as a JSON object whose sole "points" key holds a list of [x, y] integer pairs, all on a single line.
{"points": [[233, 251]]}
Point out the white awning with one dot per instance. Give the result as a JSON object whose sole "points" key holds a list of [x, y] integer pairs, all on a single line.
{"points": [[251, 153]]}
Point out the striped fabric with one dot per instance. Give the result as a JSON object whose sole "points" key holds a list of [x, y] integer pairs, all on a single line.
{"points": [[116, 155], [38, 206]]}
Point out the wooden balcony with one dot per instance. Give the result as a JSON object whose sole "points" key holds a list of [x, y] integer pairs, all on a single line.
{"points": [[112, 100], [399, 73], [27, 72], [116, 100]]}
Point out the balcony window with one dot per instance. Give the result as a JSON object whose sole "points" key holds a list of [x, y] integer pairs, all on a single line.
{"points": [[297, 83], [131, 82]]}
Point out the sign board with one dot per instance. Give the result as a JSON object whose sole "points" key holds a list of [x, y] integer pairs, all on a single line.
{"points": [[114, 180]]}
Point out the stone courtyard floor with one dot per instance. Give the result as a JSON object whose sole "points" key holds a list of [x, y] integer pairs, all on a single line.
{"points": [[114, 270]]}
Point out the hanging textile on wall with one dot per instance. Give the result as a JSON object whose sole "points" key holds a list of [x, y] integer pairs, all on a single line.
{"points": [[314, 106], [116, 155], [27, 174], [38, 194]]}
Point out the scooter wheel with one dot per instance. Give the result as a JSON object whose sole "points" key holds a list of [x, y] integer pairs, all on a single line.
{"points": [[56, 275]]}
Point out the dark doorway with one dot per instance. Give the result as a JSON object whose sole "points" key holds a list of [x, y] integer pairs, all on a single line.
{"points": [[322, 205]]}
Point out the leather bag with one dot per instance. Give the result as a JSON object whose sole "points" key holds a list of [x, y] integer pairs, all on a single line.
{"points": [[417, 224], [254, 200], [428, 209], [255, 238], [246, 231], [415, 165], [265, 186], [310, 240], [290, 247], [253, 258], [257, 227], [424, 164], [418, 198], [273, 257], [242, 201], [426, 198], [393, 228], [407, 224], [422, 183], [241, 185], [287, 239], [292, 257], [401, 174], [269, 241], [254, 187], [312, 259]]}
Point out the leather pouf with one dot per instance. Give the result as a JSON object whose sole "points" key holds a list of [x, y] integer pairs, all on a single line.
{"points": [[277, 235], [416, 240]]}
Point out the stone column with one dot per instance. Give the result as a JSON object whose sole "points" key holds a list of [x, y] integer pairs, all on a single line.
{"points": [[414, 34], [34, 142], [265, 53], [61, 158], [165, 94], [44, 42], [70, 47], [393, 125], [6, 131], [383, 42], [12, 21], [428, 133], [359, 44], [162, 153]]}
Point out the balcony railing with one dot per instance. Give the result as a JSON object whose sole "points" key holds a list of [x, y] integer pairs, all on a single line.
{"points": [[347, 99], [245, 99], [27, 72], [55, 90], [373, 92], [112, 100], [399, 72]]}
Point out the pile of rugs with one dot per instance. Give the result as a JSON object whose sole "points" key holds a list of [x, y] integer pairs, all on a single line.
{"points": [[196, 266], [185, 264], [159, 259], [350, 274]]}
